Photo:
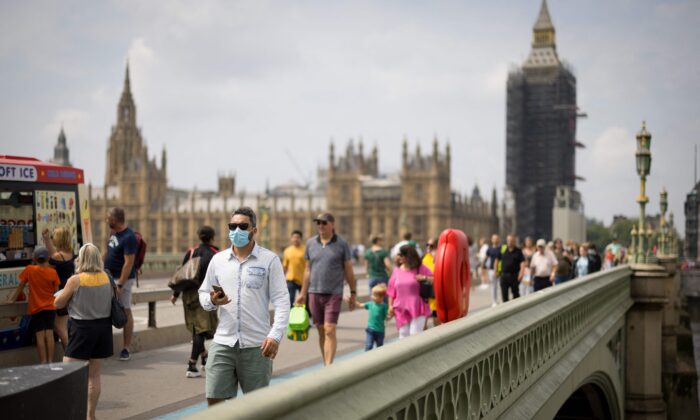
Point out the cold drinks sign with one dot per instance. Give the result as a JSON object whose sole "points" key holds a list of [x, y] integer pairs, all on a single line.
{"points": [[17, 173], [13, 168]]}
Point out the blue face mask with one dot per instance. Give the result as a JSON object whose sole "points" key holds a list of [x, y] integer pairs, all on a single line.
{"points": [[239, 238]]}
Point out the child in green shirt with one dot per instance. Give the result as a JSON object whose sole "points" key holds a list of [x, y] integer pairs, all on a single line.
{"points": [[378, 311]]}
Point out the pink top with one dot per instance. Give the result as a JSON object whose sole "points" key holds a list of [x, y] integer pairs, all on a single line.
{"points": [[405, 292]]}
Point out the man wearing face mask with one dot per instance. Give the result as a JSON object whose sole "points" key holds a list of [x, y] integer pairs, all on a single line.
{"points": [[249, 277]]}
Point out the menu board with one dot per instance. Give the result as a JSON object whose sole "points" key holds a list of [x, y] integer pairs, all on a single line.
{"points": [[54, 209]]}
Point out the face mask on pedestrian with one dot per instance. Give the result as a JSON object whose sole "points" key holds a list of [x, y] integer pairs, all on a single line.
{"points": [[239, 238]]}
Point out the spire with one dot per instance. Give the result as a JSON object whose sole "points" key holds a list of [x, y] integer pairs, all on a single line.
{"points": [[62, 137], [126, 111], [544, 50], [61, 154], [544, 22], [127, 80]]}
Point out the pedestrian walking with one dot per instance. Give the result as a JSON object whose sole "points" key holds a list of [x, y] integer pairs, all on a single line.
{"points": [[483, 272], [429, 261], [293, 263], [88, 298], [43, 283], [407, 240], [405, 301], [200, 324], [613, 248], [378, 311], [492, 254], [594, 258], [543, 265], [62, 259], [513, 265], [526, 286], [329, 265], [119, 258], [377, 263], [582, 262], [241, 282], [564, 262]]}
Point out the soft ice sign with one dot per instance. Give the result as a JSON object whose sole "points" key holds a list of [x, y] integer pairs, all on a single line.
{"points": [[17, 173]]}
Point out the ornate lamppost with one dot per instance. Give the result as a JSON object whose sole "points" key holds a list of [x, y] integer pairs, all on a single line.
{"points": [[643, 159], [663, 226]]}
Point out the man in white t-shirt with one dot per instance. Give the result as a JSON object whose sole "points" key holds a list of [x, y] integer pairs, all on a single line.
{"points": [[543, 266]]}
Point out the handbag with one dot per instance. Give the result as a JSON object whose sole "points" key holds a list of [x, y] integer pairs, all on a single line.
{"points": [[117, 312], [185, 277], [426, 290]]}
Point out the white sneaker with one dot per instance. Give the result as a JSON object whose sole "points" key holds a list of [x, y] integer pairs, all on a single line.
{"points": [[192, 371]]}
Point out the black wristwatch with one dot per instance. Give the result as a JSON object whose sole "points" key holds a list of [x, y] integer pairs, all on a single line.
{"points": [[352, 292], [120, 285]]}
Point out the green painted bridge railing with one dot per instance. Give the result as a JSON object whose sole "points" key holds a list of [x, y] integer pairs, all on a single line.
{"points": [[523, 359]]}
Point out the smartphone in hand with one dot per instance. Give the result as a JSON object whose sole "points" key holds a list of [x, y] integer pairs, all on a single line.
{"points": [[219, 291]]}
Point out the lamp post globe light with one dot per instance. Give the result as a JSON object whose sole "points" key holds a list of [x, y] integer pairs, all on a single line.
{"points": [[643, 160]]}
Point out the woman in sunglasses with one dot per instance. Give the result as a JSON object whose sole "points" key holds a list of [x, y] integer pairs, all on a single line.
{"points": [[404, 292]]}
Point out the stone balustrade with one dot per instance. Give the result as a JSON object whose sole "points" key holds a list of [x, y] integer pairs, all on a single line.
{"points": [[523, 359]]}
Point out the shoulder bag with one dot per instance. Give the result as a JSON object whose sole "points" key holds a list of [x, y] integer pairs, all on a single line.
{"points": [[117, 312], [426, 289], [185, 277]]}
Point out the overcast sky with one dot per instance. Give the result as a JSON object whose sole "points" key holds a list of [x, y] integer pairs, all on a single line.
{"points": [[238, 86]]}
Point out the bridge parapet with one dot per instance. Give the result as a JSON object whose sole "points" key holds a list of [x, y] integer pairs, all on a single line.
{"points": [[520, 360]]}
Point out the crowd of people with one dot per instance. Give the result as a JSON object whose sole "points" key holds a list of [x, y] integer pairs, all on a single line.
{"points": [[519, 269], [233, 289], [71, 294]]}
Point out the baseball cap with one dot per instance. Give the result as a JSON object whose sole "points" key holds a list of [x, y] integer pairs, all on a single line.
{"points": [[325, 217], [41, 253], [541, 242]]}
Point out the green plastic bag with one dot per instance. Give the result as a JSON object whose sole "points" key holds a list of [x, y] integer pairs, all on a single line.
{"points": [[297, 335], [298, 318]]}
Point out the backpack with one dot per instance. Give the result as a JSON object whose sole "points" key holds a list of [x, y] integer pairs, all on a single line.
{"points": [[140, 256]]}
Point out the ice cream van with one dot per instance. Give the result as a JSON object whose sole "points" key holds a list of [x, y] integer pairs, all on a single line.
{"points": [[35, 195]]}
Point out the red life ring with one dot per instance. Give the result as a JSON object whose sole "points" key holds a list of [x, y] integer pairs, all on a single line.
{"points": [[451, 277]]}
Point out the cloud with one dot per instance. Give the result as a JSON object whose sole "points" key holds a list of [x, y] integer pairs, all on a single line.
{"points": [[611, 148], [257, 77], [73, 121]]}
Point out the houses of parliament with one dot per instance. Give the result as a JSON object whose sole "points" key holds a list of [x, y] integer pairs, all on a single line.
{"points": [[417, 199]]}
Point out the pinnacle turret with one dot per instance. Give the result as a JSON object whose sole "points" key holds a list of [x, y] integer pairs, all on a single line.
{"points": [[126, 111], [60, 151], [544, 49], [544, 21]]}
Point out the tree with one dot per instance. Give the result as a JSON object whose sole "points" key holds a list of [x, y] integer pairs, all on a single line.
{"points": [[598, 234], [622, 228]]}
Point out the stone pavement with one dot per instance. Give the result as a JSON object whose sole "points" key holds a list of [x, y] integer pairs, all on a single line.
{"points": [[153, 383]]}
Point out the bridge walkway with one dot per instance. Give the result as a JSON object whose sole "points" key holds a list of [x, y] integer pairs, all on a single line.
{"points": [[153, 382]]}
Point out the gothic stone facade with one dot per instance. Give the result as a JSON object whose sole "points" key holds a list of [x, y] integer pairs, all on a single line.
{"points": [[418, 199]]}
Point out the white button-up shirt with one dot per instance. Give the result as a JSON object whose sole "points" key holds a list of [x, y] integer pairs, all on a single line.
{"points": [[251, 285]]}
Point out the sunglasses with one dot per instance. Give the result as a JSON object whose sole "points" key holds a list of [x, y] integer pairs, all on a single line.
{"points": [[429, 245], [321, 222], [242, 226]]}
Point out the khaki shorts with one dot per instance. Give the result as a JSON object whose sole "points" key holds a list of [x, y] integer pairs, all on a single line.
{"points": [[229, 366], [125, 296]]}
